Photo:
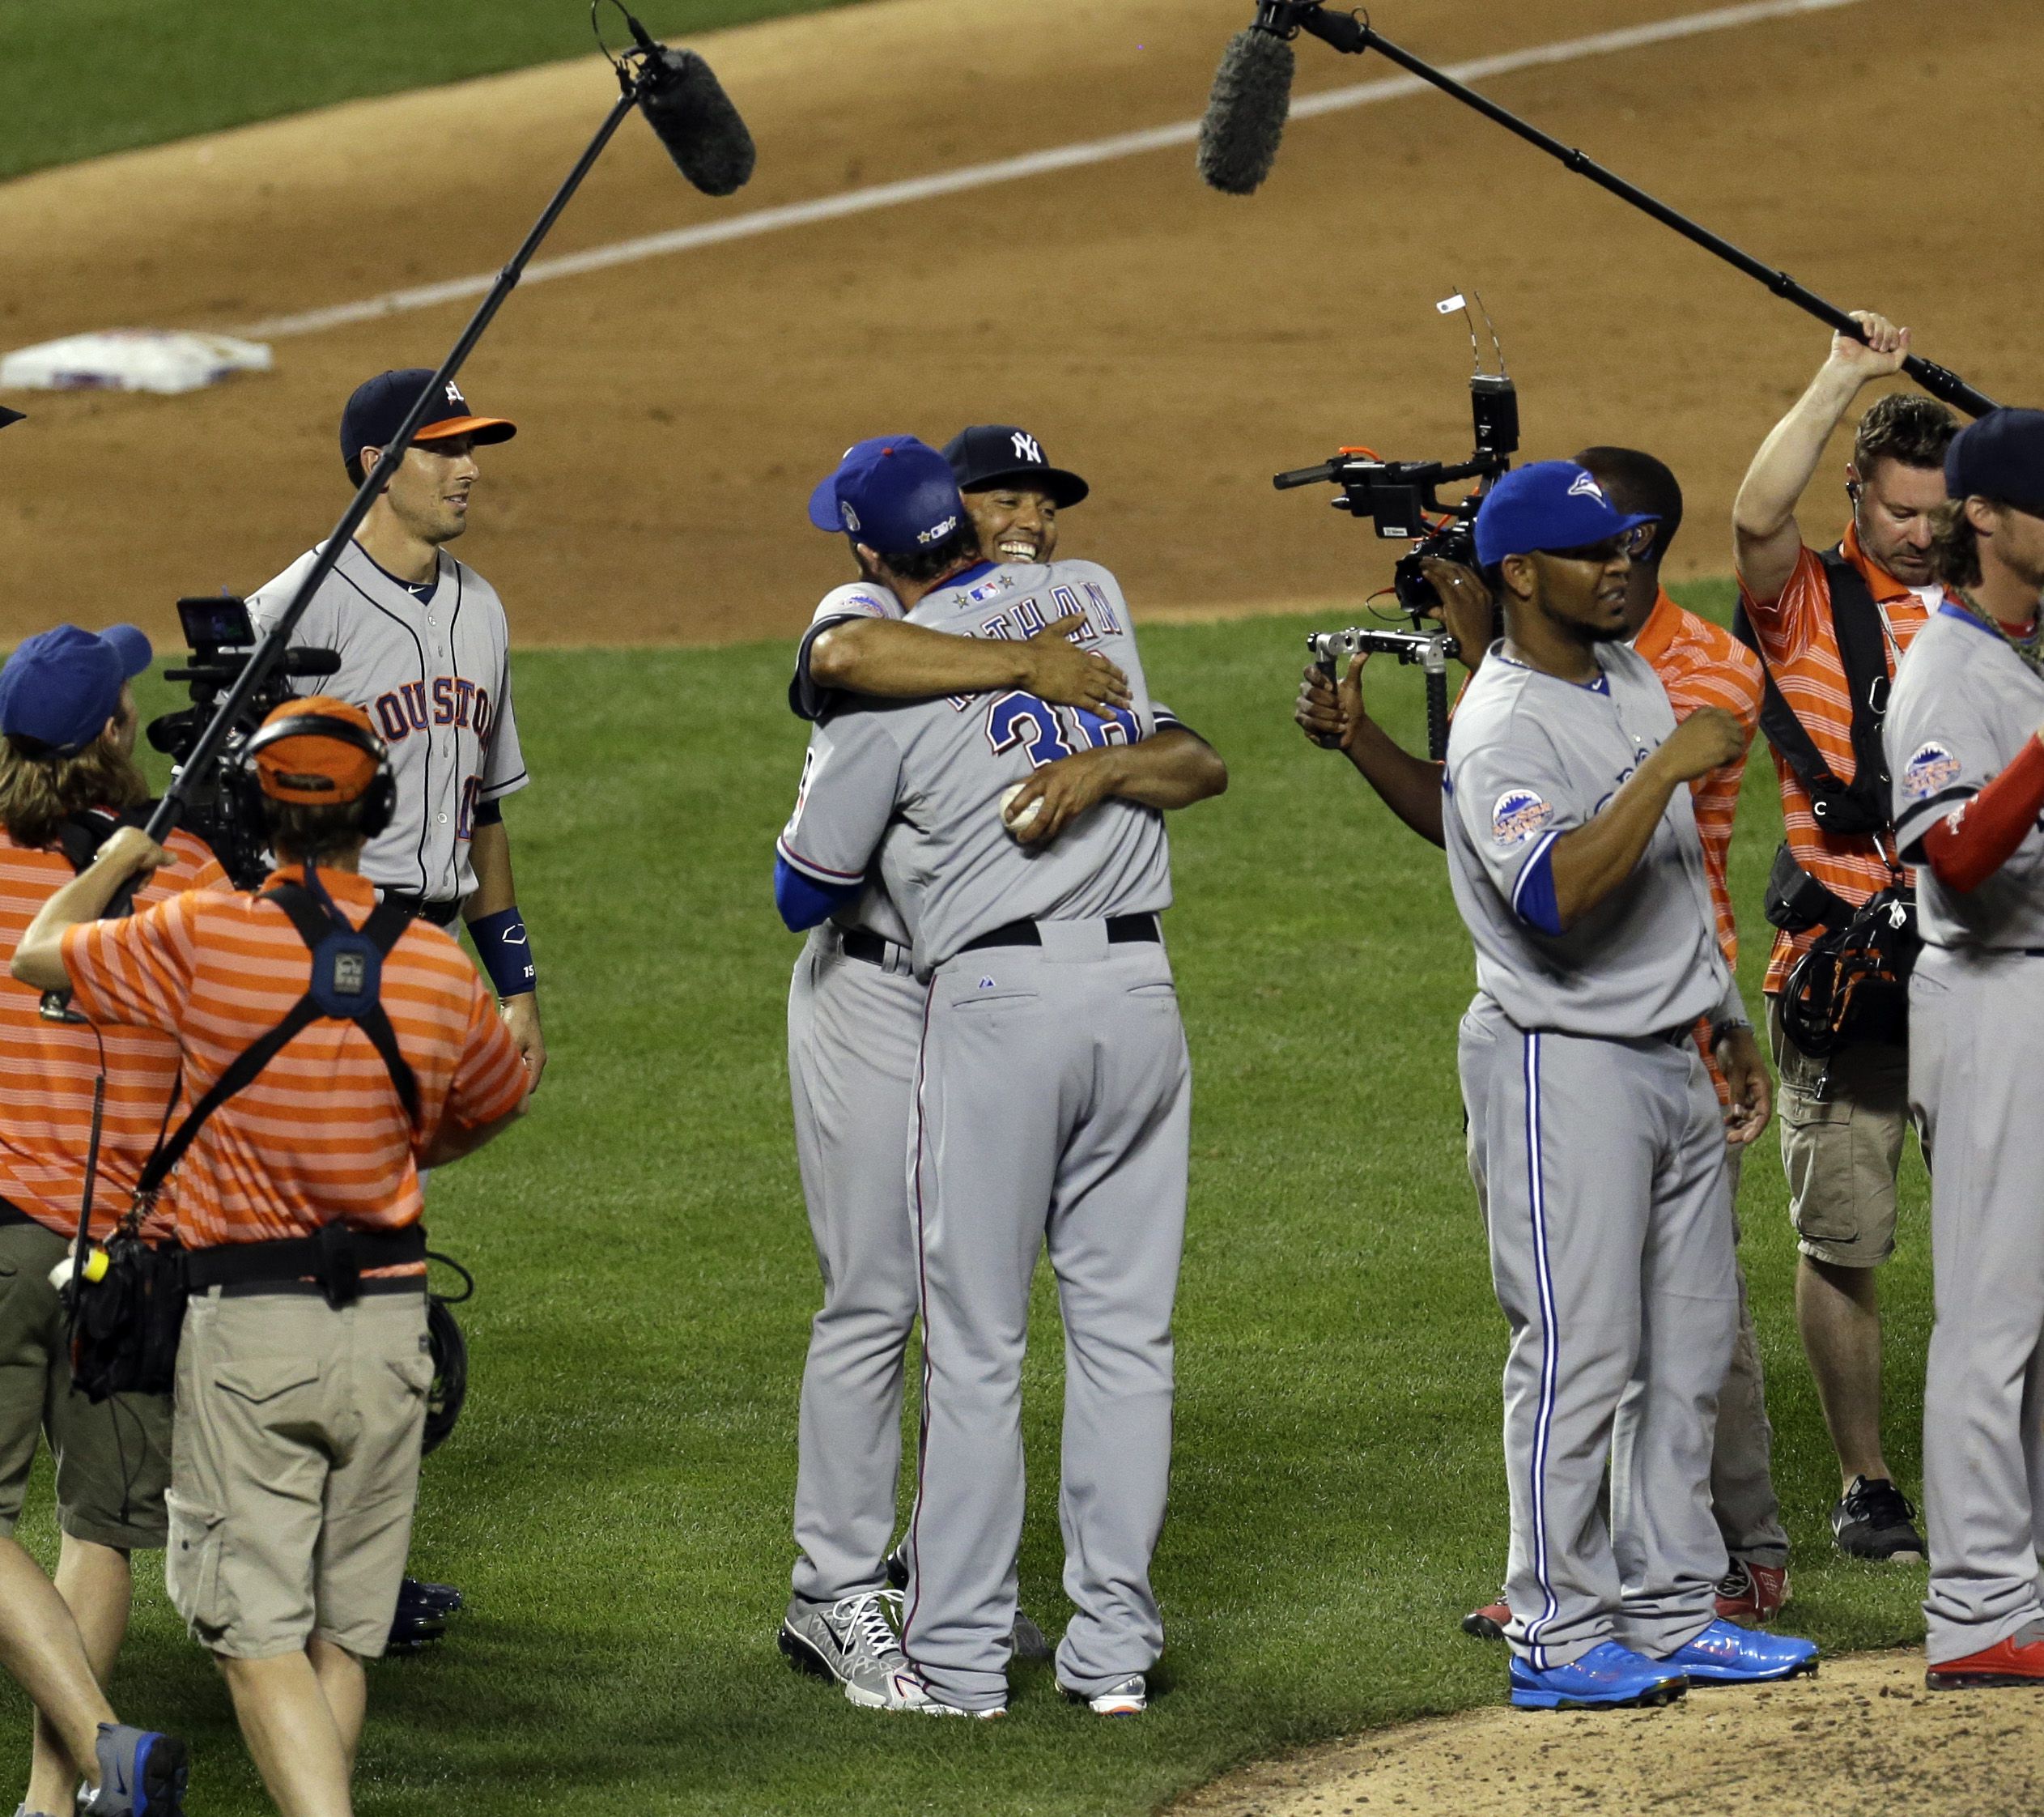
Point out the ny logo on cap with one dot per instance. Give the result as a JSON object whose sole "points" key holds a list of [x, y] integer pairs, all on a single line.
{"points": [[454, 396], [1586, 487], [1025, 449]]}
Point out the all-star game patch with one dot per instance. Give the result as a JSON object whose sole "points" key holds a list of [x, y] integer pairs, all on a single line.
{"points": [[1930, 769], [1519, 816]]}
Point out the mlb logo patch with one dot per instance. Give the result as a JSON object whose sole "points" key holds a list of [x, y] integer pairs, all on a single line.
{"points": [[1930, 768], [1519, 816]]}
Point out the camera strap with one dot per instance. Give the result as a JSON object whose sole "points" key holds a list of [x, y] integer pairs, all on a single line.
{"points": [[1864, 805], [346, 983]]}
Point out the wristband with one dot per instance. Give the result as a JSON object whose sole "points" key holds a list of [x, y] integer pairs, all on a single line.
{"points": [[507, 955]]}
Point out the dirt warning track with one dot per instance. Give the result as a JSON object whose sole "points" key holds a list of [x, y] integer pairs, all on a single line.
{"points": [[1175, 346]]}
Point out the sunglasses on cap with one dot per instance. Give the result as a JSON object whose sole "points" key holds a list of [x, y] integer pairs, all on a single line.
{"points": [[1632, 543]]}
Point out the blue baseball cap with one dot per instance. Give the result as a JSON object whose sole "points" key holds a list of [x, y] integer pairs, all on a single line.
{"points": [[1549, 505], [60, 687], [894, 493], [2001, 457]]}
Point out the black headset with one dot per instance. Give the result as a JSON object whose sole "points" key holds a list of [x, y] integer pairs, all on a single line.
{"points": [[376, 803]]}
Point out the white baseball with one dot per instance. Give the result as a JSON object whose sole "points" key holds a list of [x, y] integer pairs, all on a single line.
{"points": [[1026, 818]]}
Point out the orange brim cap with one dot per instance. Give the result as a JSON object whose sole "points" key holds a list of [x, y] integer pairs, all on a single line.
{"points": [[311, 766], [483, 429]]}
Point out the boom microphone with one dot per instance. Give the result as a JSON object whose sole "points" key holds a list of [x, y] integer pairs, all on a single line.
{"points": [[688, 110], [1245, 115]]}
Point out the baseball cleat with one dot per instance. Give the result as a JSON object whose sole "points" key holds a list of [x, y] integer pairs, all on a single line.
{"points": [[1130, 1697], [2017, 1660], [1752, 1595], [1723, 1654], [1028, 1639], [1874, 1520], [141, 1774], [1490, 1621], [918, 1694], [1607, 1676], [851, 1641]]}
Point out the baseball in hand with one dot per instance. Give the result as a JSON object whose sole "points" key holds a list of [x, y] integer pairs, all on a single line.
{"points": [[1022, 822]]}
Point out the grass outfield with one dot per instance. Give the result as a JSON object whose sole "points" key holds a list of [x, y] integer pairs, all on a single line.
{"points": [[92, 76], [616, 1502]]}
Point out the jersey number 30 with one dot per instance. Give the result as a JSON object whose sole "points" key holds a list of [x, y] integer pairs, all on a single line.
{"points": [[1019, 718]]}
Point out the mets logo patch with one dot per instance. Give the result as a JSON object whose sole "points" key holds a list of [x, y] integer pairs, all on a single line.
{"points": [[1930, 767], [1518, 814]]}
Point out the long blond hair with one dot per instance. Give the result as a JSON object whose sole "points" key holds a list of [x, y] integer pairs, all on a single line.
{"points": [[38, 793]]}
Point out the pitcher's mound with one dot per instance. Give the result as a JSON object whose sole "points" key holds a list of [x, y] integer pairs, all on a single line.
{"points": [[1863, 1735]]}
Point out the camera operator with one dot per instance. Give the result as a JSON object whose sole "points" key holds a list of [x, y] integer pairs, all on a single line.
{"points": [[1830, 627], [332, 1046], [1699, 665]]}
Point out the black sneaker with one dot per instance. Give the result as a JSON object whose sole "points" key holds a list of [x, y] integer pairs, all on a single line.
{"points": [[1874, 1521]]}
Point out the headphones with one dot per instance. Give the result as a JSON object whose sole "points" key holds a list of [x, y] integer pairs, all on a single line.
{"points": [[376, 804]]}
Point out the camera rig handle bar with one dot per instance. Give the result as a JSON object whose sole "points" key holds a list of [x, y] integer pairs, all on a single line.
{"points": [[1431, 653], [1354, 36]]}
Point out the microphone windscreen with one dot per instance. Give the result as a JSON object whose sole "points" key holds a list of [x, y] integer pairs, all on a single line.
{"points": [[687, 108], [1245, 115]]}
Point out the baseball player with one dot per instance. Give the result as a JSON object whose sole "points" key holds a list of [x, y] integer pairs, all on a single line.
{"points": [[1051, 1100], [855, 1022], [1967, 765], [1597, 1141], [1843, 1115]]}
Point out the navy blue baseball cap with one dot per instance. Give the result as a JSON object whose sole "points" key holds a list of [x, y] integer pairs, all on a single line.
{"points": [[2001, 457], [1549, 505], [60, 687], [7, 416], [894, 493], [991, 454], [377, 410]]}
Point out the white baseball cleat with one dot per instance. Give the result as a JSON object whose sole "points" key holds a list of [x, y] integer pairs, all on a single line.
{"points": [[1131, 1697]]}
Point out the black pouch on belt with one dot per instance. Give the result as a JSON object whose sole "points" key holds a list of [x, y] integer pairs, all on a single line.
{"points": [[1796, 901], [339, 1272]]}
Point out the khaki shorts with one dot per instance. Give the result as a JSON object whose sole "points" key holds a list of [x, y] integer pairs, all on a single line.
{"points": [[1841, 1145], [113, 1458], [296, 1468]]}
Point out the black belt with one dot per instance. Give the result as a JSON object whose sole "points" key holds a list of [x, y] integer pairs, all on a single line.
{"points": [[858, 944], [440, 914], [1122, 930], [335, 1260]]}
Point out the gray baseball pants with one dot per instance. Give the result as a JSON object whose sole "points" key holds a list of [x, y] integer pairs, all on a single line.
{"points": [[1973, 1020], [852, 1032], [1603, 1177], [1053, 1106]]}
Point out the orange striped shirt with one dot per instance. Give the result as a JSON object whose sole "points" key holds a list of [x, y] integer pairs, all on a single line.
{"points": [[1801, 647], [320, 1134], [1702, 665], [47, 1069]]}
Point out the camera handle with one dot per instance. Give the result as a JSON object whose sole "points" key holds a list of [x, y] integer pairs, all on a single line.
{"points": [[1431, 652]]}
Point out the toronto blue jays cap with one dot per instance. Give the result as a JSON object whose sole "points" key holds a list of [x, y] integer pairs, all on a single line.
{"points": [[2001, 457], [1549, 505], [991, 454], [894, 493], [60, 687], [378, 408]]}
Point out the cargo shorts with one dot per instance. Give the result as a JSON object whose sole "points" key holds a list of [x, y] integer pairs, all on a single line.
{"points": [[112, 1458], [294, 1468], [1842, 1125]]}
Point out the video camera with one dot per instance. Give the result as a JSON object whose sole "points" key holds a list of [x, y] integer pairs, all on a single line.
{"points": [[224, 809]]}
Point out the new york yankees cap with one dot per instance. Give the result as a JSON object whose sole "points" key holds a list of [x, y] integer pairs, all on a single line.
{"points": [[60, 687], [377, 410], [893, 493], [2001, 456], [991, 454], [1549, 505]]}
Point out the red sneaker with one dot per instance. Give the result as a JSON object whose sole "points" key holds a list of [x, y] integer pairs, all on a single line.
{"points": [[2014, 1661], [1752, 1595], [1489, 1621]]}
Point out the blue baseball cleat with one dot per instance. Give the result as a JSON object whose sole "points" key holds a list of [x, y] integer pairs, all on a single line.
{"points": [[141, 1774], [1722, 1654], [1607, 1676]]}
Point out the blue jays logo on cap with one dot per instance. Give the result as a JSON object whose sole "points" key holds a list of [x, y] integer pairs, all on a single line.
{"points": [[1930, 767], [895, 493], [1549, 506]]}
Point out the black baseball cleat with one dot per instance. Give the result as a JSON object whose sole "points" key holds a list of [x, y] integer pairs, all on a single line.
{"points": [[1874, 1520], [421, 1616]]}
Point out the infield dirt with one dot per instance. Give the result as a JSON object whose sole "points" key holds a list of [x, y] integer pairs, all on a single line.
{"points": [[1175, 346]]}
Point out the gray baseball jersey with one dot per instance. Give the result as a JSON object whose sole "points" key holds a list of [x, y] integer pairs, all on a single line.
{"points": [[1530, 758], [431, 667], [926, 777], [1965, 704]]}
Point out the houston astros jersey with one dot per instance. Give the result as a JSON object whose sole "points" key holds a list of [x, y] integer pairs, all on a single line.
{"points": [[433, 672], [920, 782], [1530, 757], [1965, 705]]}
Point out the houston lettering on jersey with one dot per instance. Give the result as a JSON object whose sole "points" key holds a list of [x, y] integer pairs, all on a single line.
{"points": [[414, 706]]}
